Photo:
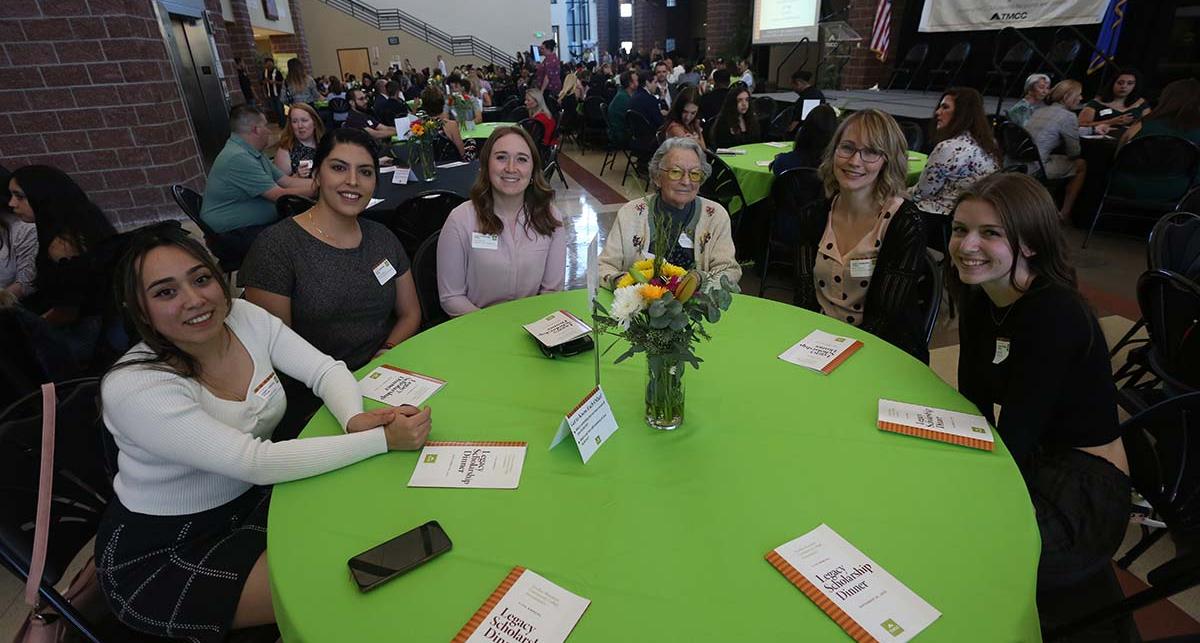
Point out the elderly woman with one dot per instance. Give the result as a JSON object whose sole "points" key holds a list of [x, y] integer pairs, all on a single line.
{"points": [[1037, 87], [678, 168]]}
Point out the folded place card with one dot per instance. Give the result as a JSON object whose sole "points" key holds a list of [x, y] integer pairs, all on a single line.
{"points": [[525, 608], [730, 151], [865, 600], [821, 351], [777, 144], [476, 465], [385, 170], [590, 423], [452, 164], [400, 176], [936, 424], [397, 386], [374, 202], [763, 163], [559, 327]]}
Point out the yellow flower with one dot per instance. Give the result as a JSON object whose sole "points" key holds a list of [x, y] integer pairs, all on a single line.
{"points": [[653, 293], [670, 270], [643, 265]]}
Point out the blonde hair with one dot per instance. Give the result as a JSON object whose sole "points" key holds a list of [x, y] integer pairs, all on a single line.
{"points": [[1062, 90], [538, 98], [883, 133], [568, 86]]}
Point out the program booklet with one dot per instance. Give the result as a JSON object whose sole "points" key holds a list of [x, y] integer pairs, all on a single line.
{"points": [[525, 608], [559, 327], [860, 596], [476, 465], [396, 386], [821, 351], [936, 424]]}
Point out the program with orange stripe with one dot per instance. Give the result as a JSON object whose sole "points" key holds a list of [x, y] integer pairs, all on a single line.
{"points": [[936, 424], [525, 607], [865, 600]]}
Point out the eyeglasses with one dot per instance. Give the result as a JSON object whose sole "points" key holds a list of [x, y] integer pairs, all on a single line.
{"points": [[847, 150], [677, 173]]}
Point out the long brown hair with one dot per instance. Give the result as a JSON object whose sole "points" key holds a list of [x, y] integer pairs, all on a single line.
{"points": [[1030, 221], [1179, 105], [131, 296], [728, 117], [968, 117], [287, 137], [538, 194], [687, 96]]}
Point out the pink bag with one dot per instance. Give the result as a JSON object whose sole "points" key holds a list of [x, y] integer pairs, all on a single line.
{"points": [[44, 625]]}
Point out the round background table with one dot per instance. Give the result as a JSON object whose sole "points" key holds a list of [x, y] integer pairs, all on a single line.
{"points": [[664, 532], [755, 180]]}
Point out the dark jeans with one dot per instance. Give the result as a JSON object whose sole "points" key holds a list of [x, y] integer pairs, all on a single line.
{"points": [[231, 246], [275, 107], [63, 352]]}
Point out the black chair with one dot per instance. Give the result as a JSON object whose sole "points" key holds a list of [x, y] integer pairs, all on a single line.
{"points": [[950, 66], [289, 205], [444, 150], [643, 142], [1170, 304], [778, 128], [1191, 202], [911, 64], [425, 276], [1157, 444], [594, 125], [723, 187], [764, 110], [792, 192], [914, 135], [551, 165], [190, 201], [340, 108], [552, 105], [930, 294], [1147, 160], [536, 130], [1020, 152], [570, 122], [422, 216], [1063, 55], [1012, 65], [516, 114]]}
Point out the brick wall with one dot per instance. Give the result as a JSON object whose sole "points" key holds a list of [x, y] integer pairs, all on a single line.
{"points": [[723, 18], [87, 86], [241, 43], [649, 25], [604, 9], [224, 51], [864, 69], [299, 44]]}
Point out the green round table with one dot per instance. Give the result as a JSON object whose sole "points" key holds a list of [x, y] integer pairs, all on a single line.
{"points": [[664, 532], [482, 130], [755, 180]]}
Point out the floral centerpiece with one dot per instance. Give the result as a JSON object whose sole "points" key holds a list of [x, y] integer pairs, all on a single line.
{"points": [[661, 309], [421, 133], [463, 109]]}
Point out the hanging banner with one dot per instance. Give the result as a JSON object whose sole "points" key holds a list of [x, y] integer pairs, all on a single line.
{"points": [[988, 15]]}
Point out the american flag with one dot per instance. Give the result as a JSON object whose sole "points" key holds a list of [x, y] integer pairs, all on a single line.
{"points": [[881, 33]]}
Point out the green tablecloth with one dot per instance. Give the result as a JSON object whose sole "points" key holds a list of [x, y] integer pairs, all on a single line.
{"points": [[481, 131], [755, 180], [665, 532]]}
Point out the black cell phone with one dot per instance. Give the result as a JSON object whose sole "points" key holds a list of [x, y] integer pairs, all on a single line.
{"points": [[399, 555]]}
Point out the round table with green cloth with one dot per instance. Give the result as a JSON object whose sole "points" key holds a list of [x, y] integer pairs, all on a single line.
{"points": [[481, 131], [665, 533], [756, 180]]}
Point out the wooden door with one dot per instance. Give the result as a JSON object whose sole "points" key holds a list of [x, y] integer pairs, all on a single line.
{"points": [[353, 61]]}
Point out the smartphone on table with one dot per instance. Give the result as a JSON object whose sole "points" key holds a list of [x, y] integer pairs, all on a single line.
{"points": [[399, 555]]}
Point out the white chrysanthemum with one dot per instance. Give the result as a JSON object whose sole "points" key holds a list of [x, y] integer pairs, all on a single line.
{"points": [[627, 302]]}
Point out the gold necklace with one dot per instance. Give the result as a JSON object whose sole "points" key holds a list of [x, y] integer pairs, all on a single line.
{"points": [[313, 222]]}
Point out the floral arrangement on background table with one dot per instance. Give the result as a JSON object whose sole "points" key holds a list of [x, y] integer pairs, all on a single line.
{"points": [[421, 133], [463, 109], [661, 309]]}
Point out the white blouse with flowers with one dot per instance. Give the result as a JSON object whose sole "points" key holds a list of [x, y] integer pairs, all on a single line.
{"points": [[954, 165]]}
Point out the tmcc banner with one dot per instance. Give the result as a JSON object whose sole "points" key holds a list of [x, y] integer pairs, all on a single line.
{"points": [[984, 15]]}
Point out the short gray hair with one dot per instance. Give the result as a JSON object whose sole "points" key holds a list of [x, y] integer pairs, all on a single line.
{"points": [[243, 118], [679, 143], [1033, 79]]}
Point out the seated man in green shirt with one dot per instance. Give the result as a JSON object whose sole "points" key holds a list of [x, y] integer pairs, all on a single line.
{"points": [[619, 105], [243, 185]]}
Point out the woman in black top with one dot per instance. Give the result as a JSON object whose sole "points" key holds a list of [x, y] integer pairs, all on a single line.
{"points": [[1031, 345], [737, 123], [862, 250], [1118, 104]]}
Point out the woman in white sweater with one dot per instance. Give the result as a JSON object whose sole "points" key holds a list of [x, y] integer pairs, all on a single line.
{"points": [[181, 551]]}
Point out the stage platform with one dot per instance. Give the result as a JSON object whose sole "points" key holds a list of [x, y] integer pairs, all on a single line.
{"points": [[907, 104]]}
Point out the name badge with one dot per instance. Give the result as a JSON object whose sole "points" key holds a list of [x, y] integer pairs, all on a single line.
{"points": [[685, 241], [267, 387], [1105, 112], [384, 271], [1002, 348], [862, 267], [485, 241]]}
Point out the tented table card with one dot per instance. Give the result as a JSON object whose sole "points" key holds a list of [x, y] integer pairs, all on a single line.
{"points": [[525, 608], [590, 424]]}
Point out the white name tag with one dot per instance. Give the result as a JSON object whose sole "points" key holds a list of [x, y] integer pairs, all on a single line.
{"points": [[1002, 348], [862, 267], [1105, 112], [685, 241], [485, 241], [267, 387], [384, 271]]}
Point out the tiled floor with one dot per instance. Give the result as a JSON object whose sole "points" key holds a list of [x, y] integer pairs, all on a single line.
{"points": [[1108, 272]]}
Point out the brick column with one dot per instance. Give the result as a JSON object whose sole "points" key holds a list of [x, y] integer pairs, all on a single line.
{"points": [[87, 86], [301, 42], [603, 9], [224, 51], [241, 42], [864, 69], [649, 25], [723, 18]]}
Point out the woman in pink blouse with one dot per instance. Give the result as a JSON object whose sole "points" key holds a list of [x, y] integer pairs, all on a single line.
{"points": [[507, 241]]}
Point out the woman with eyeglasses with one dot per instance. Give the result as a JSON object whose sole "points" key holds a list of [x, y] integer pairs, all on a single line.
{"points": [[684, 117], [862, 251], [678, 168]]}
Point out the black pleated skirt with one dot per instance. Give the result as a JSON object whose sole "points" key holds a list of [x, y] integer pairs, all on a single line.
{"points": [[181, 576]]}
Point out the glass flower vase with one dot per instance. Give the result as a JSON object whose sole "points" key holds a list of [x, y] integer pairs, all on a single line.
{"points": [[664, 392], [428, 163]]}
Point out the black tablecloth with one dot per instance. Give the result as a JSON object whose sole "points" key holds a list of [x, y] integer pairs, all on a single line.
{"points": [[1099, 154], [455, 179]]}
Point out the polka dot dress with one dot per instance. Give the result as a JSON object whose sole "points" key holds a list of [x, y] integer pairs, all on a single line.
{"points": [[843, 280]]}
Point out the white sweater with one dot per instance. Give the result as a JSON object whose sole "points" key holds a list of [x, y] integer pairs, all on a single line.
{"points": [[183, 450]]}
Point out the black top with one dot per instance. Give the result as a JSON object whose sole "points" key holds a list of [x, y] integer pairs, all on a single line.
{"points": [[389, 109], [710, 103], [890, 311], [725, 137], [1055, 387], [360, 120], [647, 105], [809, 93]]}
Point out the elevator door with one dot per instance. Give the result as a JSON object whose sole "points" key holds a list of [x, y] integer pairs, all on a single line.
{"points": [[206, 100]]}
